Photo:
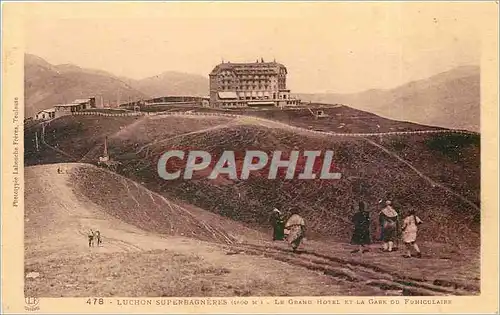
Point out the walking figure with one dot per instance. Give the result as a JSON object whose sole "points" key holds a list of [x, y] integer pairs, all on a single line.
{"points": [[278, 225], [98, 236], [297, 227], [91, 238], [388, 219], [361, 235], [410, 229]]}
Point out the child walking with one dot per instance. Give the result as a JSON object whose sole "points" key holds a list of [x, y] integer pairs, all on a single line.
{"points": [[410, 229]]}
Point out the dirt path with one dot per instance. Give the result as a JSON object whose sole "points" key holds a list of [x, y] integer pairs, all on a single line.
{"points": [[242, 119], [56, 248], [365, 272], [56, 229]]}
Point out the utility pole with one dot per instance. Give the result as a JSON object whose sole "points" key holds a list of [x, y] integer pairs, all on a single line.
{"points": [[118, 99], [36, 142], [106, 148]]}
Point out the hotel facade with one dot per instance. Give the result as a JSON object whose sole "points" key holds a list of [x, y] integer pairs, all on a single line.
{"points": [[250, 85]]}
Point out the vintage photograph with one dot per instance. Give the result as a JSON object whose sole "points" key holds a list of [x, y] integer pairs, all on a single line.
{"points": [[252, 150]]}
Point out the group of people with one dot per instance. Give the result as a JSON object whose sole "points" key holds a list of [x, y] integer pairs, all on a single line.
{"points": [[294, 229], [94, 236], [390, 226]]}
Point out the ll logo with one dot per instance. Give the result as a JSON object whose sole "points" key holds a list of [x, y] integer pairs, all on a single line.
{"points": [[31, 304]]}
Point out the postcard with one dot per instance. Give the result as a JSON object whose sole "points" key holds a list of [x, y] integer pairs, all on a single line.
{"points": [[250, 157]]}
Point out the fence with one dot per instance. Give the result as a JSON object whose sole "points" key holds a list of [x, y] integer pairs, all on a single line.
{"points": [[276, 123]]}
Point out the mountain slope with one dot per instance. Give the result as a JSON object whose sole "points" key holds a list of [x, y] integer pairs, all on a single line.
{"points": [[450, 99], [168, 250], [368, 172], [47, 85], [172, 83]]}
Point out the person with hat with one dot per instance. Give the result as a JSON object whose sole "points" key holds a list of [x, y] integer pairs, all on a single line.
{"points": [[297, 227], [388, 219], [410, 229]]}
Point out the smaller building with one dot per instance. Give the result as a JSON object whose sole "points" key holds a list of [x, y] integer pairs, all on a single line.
{"points": [[46, 114], [87, 103], [67, 109], [75, 106], [205, 101]]}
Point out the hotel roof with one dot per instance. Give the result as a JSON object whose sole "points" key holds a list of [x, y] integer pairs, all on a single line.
{"points": [[248, 66]]}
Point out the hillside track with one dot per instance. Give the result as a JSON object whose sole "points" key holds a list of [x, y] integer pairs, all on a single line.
{"points": [[354, 271], [268, 123], [423, 176], [245, 119], [275, 123], [42, 140], [59, 221]]}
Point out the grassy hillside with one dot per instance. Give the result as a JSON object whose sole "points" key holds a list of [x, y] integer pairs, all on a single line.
{"points": [[327, 205], [339, 119], [180, 252], [368, 172]]}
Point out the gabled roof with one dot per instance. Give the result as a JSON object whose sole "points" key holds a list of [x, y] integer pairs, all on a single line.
{"points": [[48, 110], [244, 66]]}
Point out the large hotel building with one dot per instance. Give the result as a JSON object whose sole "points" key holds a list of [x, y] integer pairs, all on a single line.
{"points": [[250, 84]]}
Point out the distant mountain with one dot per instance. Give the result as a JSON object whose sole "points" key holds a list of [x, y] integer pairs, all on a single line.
{"points": [[172, 83], [47, 85], [450, 99]]}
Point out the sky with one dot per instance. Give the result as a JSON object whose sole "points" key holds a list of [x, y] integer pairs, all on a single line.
{"points": [[326, 46]]}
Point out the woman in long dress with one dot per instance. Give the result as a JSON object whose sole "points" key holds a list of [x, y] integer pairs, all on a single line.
{"points": [[388, 219], [297, 228], [410, 229], [361, 235], [278, 225]]}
